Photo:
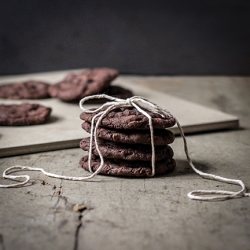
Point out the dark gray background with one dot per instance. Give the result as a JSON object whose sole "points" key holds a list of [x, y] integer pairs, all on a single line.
{"points": [[136, 37]]}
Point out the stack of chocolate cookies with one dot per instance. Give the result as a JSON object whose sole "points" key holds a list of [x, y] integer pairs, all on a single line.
{"points": [[124, 141]]}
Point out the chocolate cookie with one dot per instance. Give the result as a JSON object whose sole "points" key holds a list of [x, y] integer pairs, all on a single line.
{"points": [[129, 168], [162, 137], [127, 152], [25, 90], [23, 114], [114, 91], [130, 118], [75, 86]]}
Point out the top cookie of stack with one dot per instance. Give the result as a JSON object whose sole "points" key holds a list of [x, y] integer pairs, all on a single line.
{"points": [[125, 143]]}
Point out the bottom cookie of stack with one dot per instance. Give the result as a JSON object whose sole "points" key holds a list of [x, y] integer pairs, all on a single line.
{"points": [[120, 167], [127, 159]]}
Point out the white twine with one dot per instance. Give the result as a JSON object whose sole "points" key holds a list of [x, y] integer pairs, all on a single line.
{"points": [[136, 102]]}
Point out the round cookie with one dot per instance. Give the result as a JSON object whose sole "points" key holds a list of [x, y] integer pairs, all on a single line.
{"points": [[23, 114], [25, 90], [75, 86], [127, 152], [130, 118], [119, 167], [162, 137]]}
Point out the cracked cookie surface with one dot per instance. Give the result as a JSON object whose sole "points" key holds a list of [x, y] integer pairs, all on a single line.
{"points": [[25, 90], [162, 137], [23, 114], [75, 86], [127, 152], [130, 118]]}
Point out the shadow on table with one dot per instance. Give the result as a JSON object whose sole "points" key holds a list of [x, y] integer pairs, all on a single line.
{"points": [[54, 119], [183, 168]]}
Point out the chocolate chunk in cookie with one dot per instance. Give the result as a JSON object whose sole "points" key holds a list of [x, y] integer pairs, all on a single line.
{"points": [[130, 118], [119, 167], [23, 114], [25, 90], [75, 86], [162, 137], [127, 152]]}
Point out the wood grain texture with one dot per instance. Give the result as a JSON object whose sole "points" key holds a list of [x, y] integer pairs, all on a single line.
{"points": [[151, 213]]}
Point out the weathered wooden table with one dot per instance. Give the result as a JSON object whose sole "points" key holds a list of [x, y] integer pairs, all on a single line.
{"points": [[153, 213]]}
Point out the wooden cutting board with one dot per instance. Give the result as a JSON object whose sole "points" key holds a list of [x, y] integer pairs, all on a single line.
{"points": [[64, 128]]}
